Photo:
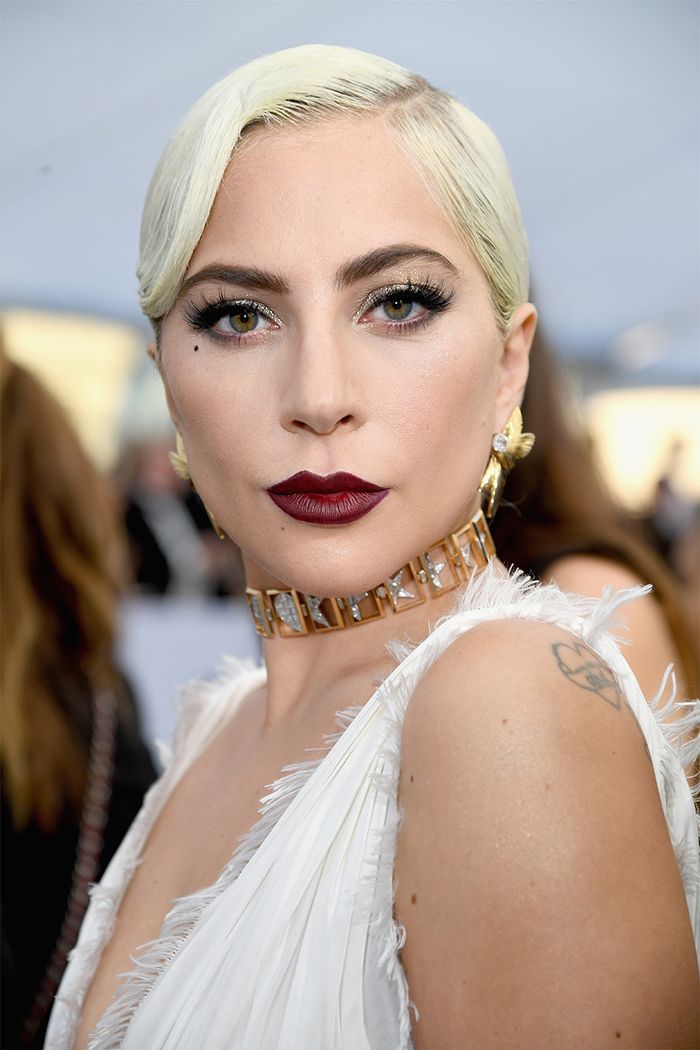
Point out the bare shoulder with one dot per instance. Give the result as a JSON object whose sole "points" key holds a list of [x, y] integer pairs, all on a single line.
{"points": [[533, 859], [519, 675], [644, 626], [589, 573]]}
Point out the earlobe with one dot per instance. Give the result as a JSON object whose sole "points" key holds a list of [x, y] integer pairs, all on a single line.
{"points": [[514, 364]]}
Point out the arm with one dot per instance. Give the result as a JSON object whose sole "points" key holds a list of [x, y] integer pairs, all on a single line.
{"points": [[651, 648], [541, 898]]}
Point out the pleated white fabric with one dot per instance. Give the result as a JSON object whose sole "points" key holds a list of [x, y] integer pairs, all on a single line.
{"points": [[295, 946]]}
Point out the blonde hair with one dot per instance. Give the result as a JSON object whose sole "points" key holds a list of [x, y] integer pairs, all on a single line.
{"points": [[458, 156]]}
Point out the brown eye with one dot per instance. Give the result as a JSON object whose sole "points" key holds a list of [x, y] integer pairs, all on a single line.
{"points": [[243, 321], [232, 319], [397, 309], [403, 308]]}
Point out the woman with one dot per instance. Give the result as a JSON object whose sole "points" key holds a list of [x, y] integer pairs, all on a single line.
{"points": [[562, 525], [74, 767], [334, 264]]}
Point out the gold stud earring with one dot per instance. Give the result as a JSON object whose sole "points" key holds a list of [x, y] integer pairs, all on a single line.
{"points": [[507, 447], [178, 461]]}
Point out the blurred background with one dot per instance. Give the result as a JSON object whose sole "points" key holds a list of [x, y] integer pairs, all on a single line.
{"points": [[598, 109]]}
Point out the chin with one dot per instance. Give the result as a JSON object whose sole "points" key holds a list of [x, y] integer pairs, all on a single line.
{"points": [[332, 563], [328, 573]]}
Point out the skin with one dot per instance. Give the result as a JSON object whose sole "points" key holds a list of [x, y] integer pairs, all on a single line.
{"points": [[414, 412], [643, 626], [539, 891], [331, 384]]}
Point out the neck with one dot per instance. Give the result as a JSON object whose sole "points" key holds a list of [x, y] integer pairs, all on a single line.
{"points": [[328, 648], [344, 667], [442, 566]]}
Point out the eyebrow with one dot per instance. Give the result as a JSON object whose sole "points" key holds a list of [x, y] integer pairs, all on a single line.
{"points": [[382, 258], [355, 270], [245, 276]]}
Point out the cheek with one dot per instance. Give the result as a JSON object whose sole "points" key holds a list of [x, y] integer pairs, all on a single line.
{"points": [[218, 417], [452, 407]]}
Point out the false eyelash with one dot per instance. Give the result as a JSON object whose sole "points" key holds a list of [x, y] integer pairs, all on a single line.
{"points": [[434, 297], [204, 316]]}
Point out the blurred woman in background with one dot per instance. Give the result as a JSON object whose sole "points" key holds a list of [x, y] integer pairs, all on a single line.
{"points": [[561, 524], [74, 767]]}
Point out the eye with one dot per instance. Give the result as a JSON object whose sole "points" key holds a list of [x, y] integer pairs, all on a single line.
{"points": [[231, 319], [241, 320], [399, 308], [402, 307]]}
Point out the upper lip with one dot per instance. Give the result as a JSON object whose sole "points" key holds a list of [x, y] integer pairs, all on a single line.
{"points": [[341, 481]]}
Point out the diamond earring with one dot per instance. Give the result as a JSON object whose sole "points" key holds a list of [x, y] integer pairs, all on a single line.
{"points": [[507, 447]]}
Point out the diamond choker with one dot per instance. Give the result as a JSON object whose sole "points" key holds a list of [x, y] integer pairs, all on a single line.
{"points": [[444, 565]]}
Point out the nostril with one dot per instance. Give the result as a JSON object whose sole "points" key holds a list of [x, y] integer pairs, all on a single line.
{"points": [[320, 426]]}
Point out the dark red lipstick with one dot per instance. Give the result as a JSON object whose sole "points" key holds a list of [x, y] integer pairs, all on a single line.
{"points": [[336, 499]]}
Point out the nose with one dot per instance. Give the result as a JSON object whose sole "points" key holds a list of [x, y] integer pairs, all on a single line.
{"points": [[320, 393]]}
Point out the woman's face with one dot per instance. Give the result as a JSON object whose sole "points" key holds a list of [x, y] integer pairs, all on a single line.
{"points": [[331, 320]]}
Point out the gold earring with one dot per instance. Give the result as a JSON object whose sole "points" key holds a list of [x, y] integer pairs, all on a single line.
{"points": [[178, 461], [507, 447]]}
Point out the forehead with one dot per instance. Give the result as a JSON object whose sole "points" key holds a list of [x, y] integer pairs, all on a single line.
{"points": [[321, 193]]}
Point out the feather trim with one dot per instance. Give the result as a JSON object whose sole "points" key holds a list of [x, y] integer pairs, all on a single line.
{"points": [[192, 701], [103, 904], [491, 596], [375, 901], [153, 958], [679, 722]]}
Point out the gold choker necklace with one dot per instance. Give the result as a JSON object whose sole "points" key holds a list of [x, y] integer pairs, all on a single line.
{"points": [[444, 565]]}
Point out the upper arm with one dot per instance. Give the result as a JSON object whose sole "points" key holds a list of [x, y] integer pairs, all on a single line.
{"points": [[535, 878], [651, 647]]}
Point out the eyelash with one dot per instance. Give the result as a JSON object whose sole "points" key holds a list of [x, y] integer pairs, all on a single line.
{"points": [[203, 317], [435, 298]]}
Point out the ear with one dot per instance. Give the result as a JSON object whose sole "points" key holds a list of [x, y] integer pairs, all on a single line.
{"points": [[152, 350], [515, 362]]}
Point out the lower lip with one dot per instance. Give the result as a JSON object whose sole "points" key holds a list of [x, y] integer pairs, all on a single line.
{"points": [[331, 508]]}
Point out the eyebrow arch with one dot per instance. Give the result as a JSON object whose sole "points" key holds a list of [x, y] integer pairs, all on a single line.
{"points": [[382, 258], [355, 270], [245, 276]]}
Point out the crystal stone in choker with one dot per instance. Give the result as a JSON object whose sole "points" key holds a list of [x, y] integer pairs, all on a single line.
{"points": [[444, 565]]}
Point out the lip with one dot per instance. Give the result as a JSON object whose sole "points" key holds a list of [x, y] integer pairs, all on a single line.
{"points": [[336, 499]]}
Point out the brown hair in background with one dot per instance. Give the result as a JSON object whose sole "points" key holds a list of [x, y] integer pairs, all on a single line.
{"points": [[59, 588], [557, 504]]}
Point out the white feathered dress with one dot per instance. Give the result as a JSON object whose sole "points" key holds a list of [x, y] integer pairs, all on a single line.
{"points": [[295, 946]]}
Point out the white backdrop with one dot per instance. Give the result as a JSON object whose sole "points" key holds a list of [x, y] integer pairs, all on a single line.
{"points": [[166, 643], [597, 104]]}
